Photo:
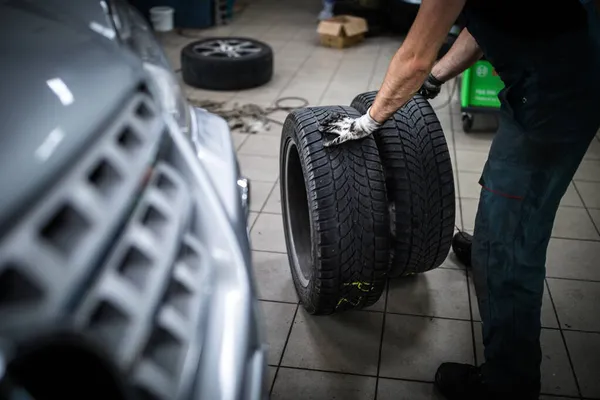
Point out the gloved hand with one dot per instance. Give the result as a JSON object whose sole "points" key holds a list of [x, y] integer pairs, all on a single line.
{"points": [[347, 128], [431, 87]]}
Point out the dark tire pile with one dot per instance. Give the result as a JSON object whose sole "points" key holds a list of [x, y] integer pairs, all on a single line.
{"points": [[359, 213]]}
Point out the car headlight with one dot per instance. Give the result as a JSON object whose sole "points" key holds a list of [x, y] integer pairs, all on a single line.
{"points": [[133, 30]]}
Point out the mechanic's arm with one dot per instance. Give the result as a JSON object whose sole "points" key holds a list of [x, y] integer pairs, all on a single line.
{"points": [[407, 72], [464, 52], [412, 63]]}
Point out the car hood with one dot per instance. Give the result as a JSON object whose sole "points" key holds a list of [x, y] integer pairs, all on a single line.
{"points": [[63, 76]]}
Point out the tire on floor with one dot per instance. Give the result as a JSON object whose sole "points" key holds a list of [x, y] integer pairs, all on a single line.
{"points": [[420, 185], [335, 215], [227, 63]]}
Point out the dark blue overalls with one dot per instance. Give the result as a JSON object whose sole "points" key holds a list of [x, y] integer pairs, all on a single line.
{"points": [[549, 115]]}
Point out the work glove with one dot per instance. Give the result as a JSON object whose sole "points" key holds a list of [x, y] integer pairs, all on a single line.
{"points": [[431, 87], [347, 128]]}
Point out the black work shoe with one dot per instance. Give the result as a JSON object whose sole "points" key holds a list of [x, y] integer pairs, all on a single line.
{"points": [[461, 245], [459, 382], [465, 382]]}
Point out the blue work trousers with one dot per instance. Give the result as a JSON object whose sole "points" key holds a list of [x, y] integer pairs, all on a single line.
{"points": [[550, 113]]}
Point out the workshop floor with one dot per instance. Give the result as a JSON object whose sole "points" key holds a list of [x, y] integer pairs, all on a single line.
{"points": [[392, 350]]}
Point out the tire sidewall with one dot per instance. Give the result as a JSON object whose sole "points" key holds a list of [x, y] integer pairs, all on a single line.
{"points": [[291, 138]]}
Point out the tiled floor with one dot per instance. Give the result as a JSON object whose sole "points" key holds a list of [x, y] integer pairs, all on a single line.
{"points": [[392, 350]]}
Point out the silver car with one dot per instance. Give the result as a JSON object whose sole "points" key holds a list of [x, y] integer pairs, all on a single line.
{"points": [[125, 267]]}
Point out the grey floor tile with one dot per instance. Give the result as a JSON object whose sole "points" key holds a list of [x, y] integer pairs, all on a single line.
{"points": [[252, 219], [573, 259], [557, 376], [593, 152], [267, 233], [469, 211], [590, 192], [480, 142], [389, 389], [595, 217], [348, 342], [414, 347], [278, 318], [271, 377], [571, 197], [259, 192], [548, 315], [238, 139], [574, 223], [577, 303], [273, 277], [469, 184], [261, 145], [437, 293], [584, 349], [295, 384], [470, 161], [273, 204], [589, 170], [257, 168]]}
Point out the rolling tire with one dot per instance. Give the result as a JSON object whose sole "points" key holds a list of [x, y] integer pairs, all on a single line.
{"points": [[335, 215], [420, 185], [232, 64]]}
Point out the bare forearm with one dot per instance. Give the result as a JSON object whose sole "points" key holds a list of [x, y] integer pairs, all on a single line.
{"points": [[412, 63], [464, 53]]}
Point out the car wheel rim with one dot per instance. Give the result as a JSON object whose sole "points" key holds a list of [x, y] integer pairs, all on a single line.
{"points": [[298, 217], [227, 48]]}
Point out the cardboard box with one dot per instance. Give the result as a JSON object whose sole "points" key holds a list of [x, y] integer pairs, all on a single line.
{"points": [[342, 31]]}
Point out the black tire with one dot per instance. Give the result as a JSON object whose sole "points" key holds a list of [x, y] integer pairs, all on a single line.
{"points": [[203, 69], [335, 215], [420, 185]]}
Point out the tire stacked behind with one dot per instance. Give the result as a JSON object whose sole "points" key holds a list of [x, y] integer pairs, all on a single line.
{"points": [[420, 185], [335, 213]]}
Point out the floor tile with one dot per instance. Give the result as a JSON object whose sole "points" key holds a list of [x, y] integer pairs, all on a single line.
{"points": [[238, 139], [469, 184], [573, 259], [577, 303], [389, 389], [574, 223], [295, 384], [548, 314], [257, 168], [588, 171], [469, 211], [470, 161], [437, 293], [557, 376], [584, 349], [571, 197], [590, 192], [271, 377], [595, 217], [278, 318], [414, 347], [267, 233], [273, 277], [347, 342], [259, 192], [252, 219], [273, 204], [452, 262], [593, 152], [480, 142], [261, 145]]}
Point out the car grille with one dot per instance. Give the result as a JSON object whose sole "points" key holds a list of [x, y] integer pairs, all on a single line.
{"points": [[115, 252]]}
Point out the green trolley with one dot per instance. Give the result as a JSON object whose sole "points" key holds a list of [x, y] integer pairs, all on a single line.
{"points": [[479, 92]]}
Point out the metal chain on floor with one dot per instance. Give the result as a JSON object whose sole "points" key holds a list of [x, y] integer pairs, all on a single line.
{"points": [[250, 118]]}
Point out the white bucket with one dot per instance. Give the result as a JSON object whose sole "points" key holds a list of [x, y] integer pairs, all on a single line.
{"points": [[162, 18]]}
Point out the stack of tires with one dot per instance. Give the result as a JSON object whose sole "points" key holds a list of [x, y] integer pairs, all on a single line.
{"points": [[364, 211]]}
